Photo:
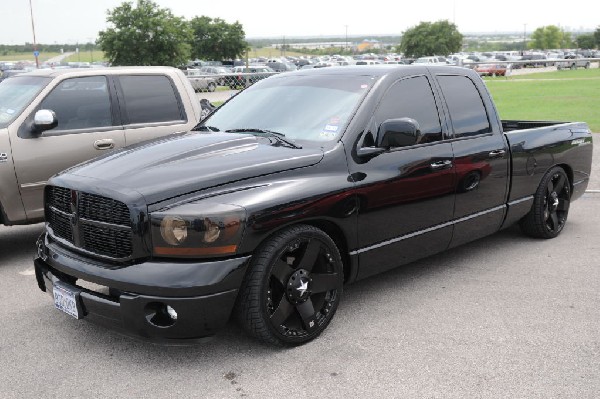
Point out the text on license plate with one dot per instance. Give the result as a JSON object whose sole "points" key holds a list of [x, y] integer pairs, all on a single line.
{"points": [[66, 301]]}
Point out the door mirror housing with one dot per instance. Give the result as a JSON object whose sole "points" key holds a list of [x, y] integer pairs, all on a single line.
{"points": [[43, 120], [400, 132]]}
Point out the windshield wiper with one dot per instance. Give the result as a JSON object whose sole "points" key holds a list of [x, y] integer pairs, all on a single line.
{"points": [[204, 128], [280, 137]]}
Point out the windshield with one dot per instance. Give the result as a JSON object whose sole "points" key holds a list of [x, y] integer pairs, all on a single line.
{"points": [[16, 93], [315, 108]]}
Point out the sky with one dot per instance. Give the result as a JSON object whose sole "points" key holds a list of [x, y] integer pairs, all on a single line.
{"points": [[79, 21]]}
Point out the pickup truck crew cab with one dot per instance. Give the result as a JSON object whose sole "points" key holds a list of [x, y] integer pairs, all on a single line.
{"points": [[53, 119], [297, 185]]}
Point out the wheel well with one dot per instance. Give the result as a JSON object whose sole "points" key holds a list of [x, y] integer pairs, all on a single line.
{"points": [[569, 173], [337, 235]]}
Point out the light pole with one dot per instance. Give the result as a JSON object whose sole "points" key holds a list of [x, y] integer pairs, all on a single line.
{"points": [[35, 52], [346, 45], [524, 38]]}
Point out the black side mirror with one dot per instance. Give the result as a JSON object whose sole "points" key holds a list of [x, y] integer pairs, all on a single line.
{"points": [[43, 120], [400, 132]]}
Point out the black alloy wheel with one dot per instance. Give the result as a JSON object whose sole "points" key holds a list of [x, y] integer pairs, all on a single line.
{"points": [[550, 209], [292, 288]]}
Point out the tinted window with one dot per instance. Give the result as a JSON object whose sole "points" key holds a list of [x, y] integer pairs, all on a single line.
{"points": [[412, 98], [467, 111], [80, 103], [150, 99]]}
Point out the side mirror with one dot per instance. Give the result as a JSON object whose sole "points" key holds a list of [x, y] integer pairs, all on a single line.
{"points": [[43, 120], [400, 132]]}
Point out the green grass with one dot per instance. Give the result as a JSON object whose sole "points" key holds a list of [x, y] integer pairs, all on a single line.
{"points": [[27, 57], [570, 96], [270, 52], [86, 56]]}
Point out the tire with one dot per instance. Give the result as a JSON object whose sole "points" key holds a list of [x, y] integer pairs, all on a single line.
{"points": [[292, 288], [212, 87], [550, 208]]}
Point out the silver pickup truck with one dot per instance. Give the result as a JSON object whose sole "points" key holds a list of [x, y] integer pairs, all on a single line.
{"points": [[51, 120]]}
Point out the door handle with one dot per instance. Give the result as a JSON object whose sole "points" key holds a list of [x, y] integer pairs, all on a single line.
{"points": [[104, 144], [497, 153], [441, 165]]}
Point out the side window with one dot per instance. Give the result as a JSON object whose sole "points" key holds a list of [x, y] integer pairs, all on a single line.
{"points": [[150, 98], [467, 112], [412, 98], [80, 103]]}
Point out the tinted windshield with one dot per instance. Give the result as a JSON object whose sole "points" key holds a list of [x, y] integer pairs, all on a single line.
{"points": [[16, 93], [301, 107]]}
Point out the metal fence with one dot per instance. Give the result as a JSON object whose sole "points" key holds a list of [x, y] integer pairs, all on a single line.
{"points": [[233, 80]]}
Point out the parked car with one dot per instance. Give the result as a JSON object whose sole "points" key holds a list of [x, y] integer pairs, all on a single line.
{"points": [[297, 185], [573, 62], [220, 71], [491, 69], [53, 119], [247, 76], [278, 66], [200, 81], [534, 60], [430, 61]]}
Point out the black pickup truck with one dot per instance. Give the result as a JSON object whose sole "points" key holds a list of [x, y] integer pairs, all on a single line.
{"points": [[296, 186]]}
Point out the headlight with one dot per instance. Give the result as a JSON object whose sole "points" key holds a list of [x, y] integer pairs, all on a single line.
{"points": [[198, 230]]}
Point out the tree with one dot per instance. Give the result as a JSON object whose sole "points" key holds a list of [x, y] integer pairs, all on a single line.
{"points": [[215, 39], [145, 35], [566, 41], [546, 37], [437, 38], [597, 37], [586, 41]]}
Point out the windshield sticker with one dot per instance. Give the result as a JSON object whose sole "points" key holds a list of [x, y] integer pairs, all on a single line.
{"points": [[326, 134], [331, 128]]}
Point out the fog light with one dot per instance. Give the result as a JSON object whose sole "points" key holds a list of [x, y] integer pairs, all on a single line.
{"points": [[160, 315], [172, 313]]}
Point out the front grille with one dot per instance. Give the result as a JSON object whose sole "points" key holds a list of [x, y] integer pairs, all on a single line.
{"points": [[108, 242], [91, 222], [102, 209], [59, 197]]}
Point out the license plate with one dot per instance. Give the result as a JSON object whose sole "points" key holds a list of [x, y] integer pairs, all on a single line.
{"points": [[66, 300]]}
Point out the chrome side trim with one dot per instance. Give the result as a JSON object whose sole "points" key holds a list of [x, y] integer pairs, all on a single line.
{"points": [[524, 199], [428, 230], [33, 186]]}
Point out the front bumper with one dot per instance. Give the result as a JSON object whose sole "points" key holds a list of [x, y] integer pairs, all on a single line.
{"points": [[132, 299]]}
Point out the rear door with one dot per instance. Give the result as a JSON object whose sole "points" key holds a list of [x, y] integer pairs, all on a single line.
{"points": [[151, 107], [407, 193], [481, 157], [88, 126]]}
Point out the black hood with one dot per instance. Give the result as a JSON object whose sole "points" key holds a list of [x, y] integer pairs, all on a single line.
{"points": [[180, 165]]}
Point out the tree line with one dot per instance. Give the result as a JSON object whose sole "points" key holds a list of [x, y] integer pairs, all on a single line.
{"points": [[146, 34], [443, 38]]}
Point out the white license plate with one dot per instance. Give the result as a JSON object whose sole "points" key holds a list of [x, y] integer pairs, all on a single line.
{"points": [[66, 301]]}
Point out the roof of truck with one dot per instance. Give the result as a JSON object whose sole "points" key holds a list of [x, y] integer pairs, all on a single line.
{"points": [[94, 71]]}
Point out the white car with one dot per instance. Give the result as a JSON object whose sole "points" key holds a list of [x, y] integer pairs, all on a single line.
{"points": [[435, 60]]}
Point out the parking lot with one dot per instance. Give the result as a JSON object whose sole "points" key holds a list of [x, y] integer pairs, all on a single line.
{"points": [[505, 316]]}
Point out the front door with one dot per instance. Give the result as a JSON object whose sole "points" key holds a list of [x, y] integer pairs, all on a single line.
{"points": [[86, 129], [407, 193]]}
